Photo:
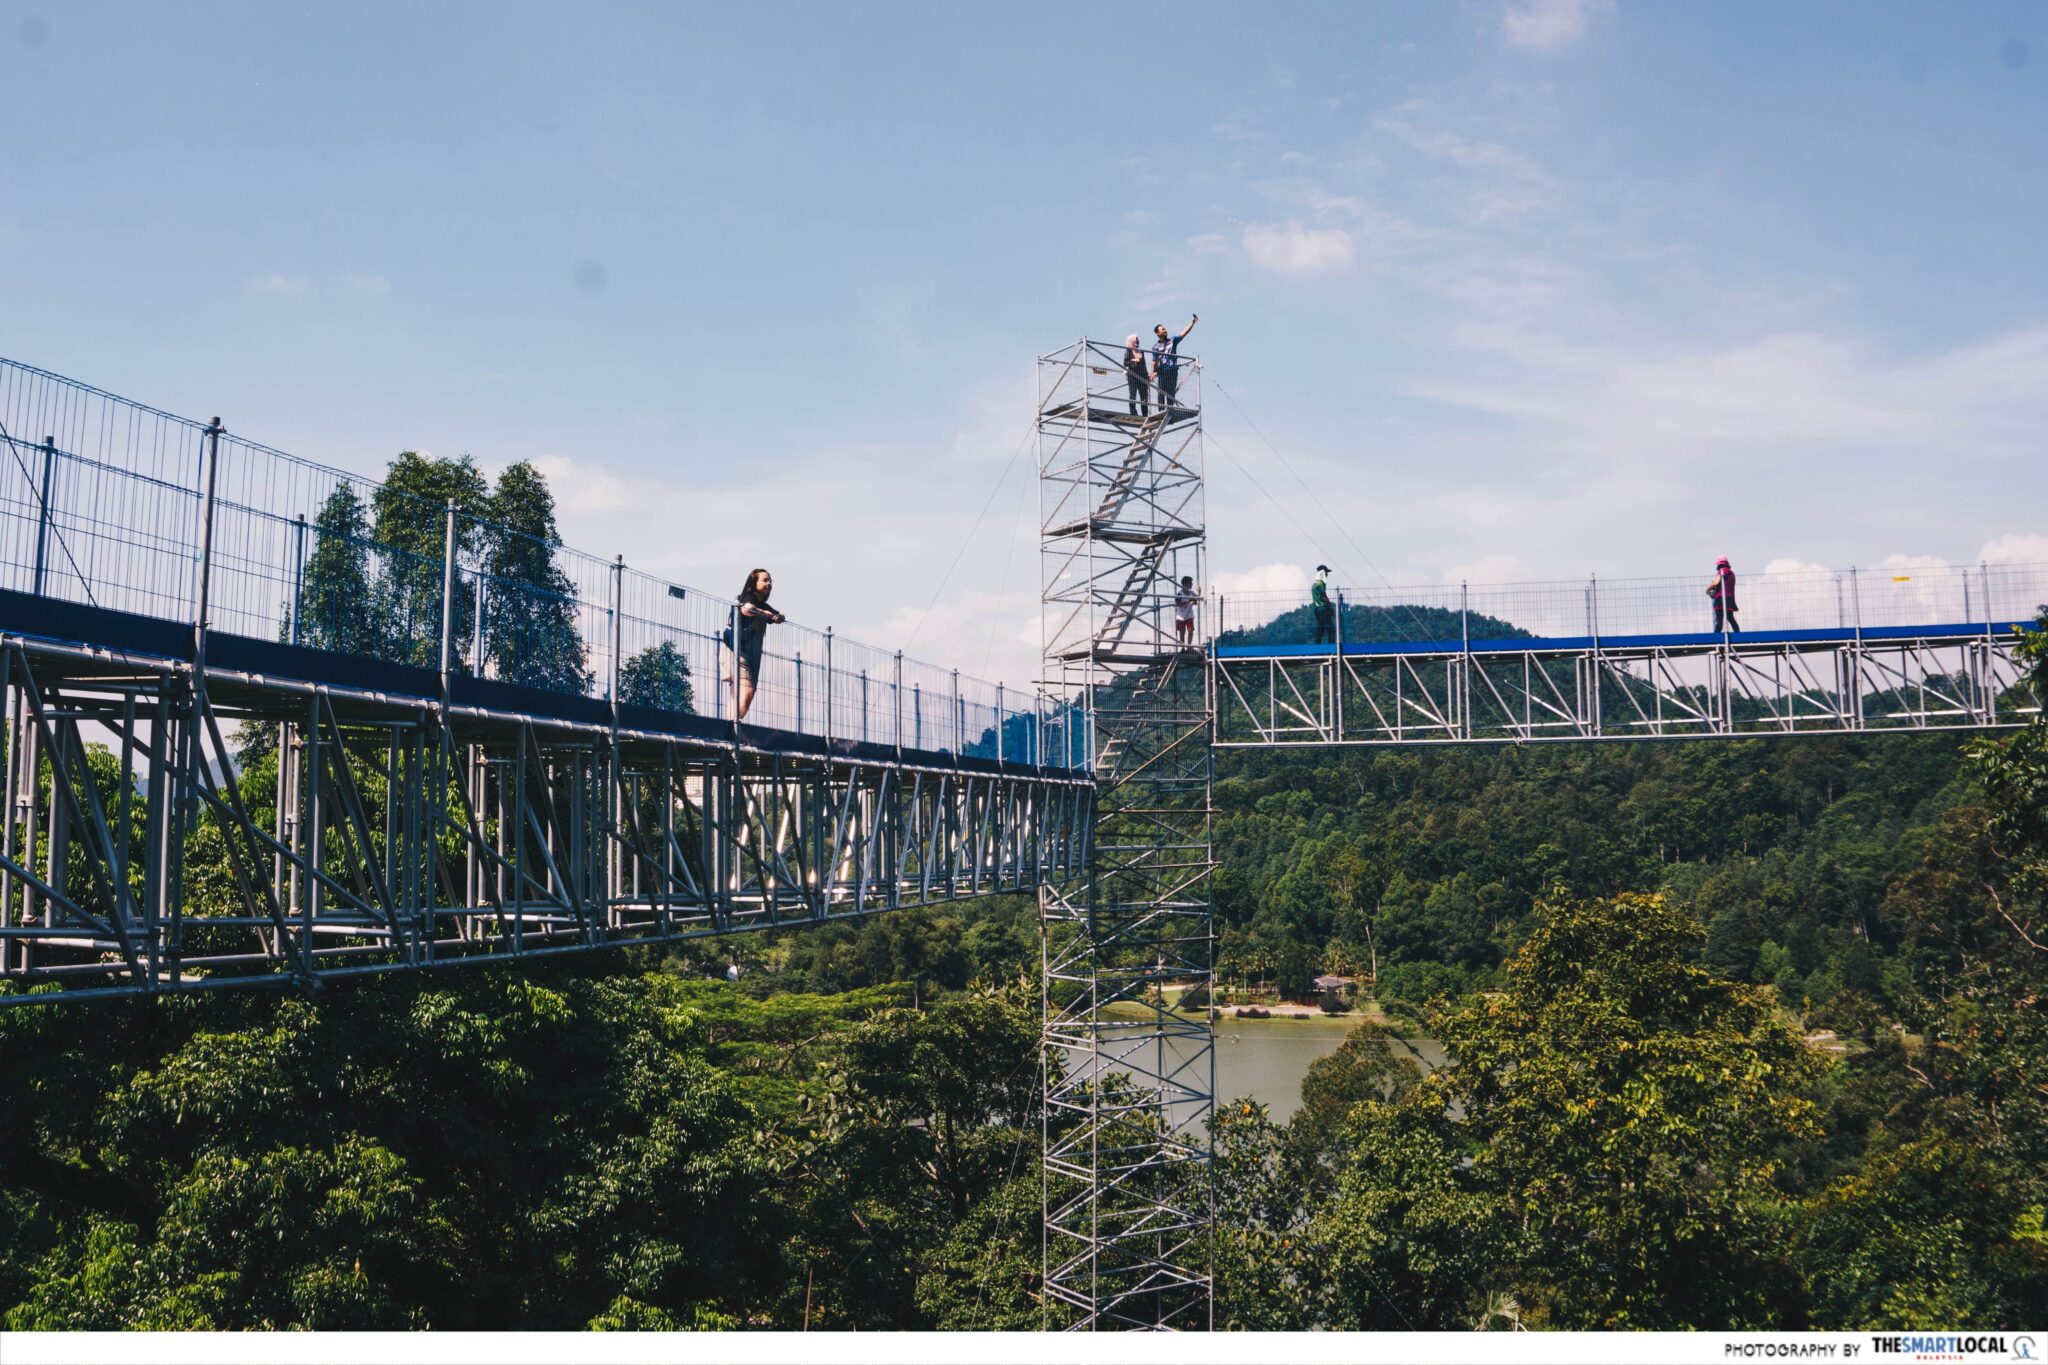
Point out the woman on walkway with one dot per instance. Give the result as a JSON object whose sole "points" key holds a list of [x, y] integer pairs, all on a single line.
{"points": [[755, 616]]}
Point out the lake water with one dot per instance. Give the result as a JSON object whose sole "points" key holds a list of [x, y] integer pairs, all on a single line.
{"points": [[1266, 1059]]}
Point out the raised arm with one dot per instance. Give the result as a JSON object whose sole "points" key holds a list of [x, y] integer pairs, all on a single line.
{"points": [[1193, 318]]}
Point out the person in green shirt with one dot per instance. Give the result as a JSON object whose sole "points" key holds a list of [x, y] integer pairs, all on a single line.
{"points": [[1325, 611]]}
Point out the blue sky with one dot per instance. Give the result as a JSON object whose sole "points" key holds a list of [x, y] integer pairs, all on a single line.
{"points": [[1523, 289]]}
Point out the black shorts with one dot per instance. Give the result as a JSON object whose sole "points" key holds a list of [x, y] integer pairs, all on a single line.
{"points": [[750, 653]]}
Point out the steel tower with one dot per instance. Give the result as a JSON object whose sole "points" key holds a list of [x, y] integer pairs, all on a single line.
{"points": [[1128, 1079]]}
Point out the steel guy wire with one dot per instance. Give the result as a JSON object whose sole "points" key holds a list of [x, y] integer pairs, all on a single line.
{"points": [[969, 538], [1414, 618]]}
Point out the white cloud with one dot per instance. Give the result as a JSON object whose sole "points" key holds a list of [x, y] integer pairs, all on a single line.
{"points": [[1487, 569], [2015, 549], [871, 585], [1793, 565], [1756, 398], [1547, 25], [349, 283], [1177, 280], [1263, 580], [1298, 252]]}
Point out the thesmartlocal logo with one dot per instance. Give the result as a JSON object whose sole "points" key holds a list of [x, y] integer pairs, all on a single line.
{"points": [[1954, 1346]]}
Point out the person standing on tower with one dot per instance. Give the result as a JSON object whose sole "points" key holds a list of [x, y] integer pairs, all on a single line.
{"points": [[1137, 385], [1722, 590], [1184, 611], [1166, 362], [1325, 611]]}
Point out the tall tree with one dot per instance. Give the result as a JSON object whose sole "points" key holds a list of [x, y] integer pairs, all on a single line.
{"points": [[1628, 1105], [530, 616], [412, 536], [658, 675], [335, 589]]}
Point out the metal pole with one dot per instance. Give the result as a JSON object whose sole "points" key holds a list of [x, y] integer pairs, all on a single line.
{"points": [[999, 722], [896, 696], [828, 689], [732, 632], [1990, 610], [959, 718], [1337, 668], [447, 598], [614, 790], [43, 515], [1465, 650], [298, 577], [476, 652], [208, 478], [1856, 656], [1593, 619], [618, 626]]}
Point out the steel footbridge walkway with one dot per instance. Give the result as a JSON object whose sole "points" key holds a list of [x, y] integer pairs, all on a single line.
{"points": [[484, 746], [1820, 652]]}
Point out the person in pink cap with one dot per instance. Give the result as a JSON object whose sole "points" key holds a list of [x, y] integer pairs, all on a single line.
{"points": [[1722, 590]]}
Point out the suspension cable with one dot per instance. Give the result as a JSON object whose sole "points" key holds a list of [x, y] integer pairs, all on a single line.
{"points": [[947, 577], [1414, 618]]}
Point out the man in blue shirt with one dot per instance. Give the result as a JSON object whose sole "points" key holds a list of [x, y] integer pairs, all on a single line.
{"points": [[1166, 362]]}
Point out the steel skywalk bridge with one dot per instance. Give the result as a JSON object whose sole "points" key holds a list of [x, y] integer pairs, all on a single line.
{"points": [[487, 747], [1834, 652]]}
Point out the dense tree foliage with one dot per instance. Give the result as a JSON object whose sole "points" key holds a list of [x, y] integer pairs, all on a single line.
{"points": [[334, 591], [530, 632], [410, 526], [658, 675], [489, 1150]]}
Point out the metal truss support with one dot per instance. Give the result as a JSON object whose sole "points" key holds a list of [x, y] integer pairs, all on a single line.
{"points": [[1729, 687], [137, 856], [1129, 1079]]}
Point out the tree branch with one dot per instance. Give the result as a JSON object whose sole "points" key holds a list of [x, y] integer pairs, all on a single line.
{"points": [[2025, 937]]}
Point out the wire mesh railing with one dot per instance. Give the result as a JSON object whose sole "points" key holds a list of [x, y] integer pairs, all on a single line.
{"points": [[1906, 597], [103, 502]]}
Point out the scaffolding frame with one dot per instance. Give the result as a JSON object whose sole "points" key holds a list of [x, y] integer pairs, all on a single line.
{"points": [[1129, 1082]]}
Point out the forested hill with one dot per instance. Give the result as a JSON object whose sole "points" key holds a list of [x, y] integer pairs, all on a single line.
{"points": [[1383, 625], [1806, 858]]}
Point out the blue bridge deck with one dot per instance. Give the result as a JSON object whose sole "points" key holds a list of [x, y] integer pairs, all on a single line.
{"points": [[1542, 644]]}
